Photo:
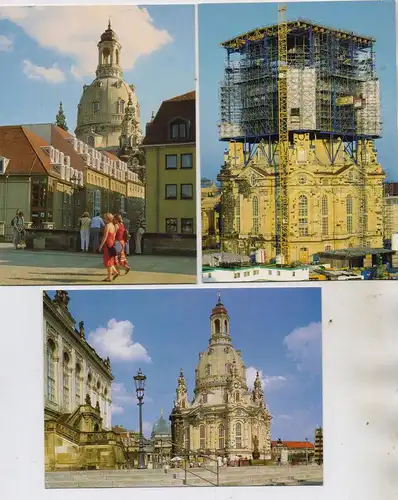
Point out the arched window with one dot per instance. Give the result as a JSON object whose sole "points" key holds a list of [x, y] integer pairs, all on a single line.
{"points": [[78, 395], [225, 326], [204, 398], [66, 382], [221, 437], [50, 371], [208, 370], [202, 437], [228, 368], [187, 438], [90, 141], [238, 435], [325, 215], [122, 103], [117, 57], [348, 206], [237, 397], [105, 56], [328, 248], [303, 215], [217, 326], [237, 214], [255, 213], [96, 428]]}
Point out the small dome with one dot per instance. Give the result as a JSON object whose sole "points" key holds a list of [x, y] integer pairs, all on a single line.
{"points": [[109, 35], [161, 427], [219, 308]]}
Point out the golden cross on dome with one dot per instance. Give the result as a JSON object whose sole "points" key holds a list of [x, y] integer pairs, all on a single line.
{"points": [[109, 23], [219, 296], [161, 412]]}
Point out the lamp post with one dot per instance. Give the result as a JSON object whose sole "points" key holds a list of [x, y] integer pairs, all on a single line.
{"points": [[306, 450], [75, 185], [139, 381]]}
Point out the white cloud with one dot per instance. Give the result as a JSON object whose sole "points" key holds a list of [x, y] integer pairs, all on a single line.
{"points": [[268, 382], [147, 428], [77, 38], [50, 75], [116, 410], [116, 341], [5, 44], [304, 346]]}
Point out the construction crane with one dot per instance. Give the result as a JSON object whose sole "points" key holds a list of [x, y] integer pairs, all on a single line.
{"points": [[282, 178]]}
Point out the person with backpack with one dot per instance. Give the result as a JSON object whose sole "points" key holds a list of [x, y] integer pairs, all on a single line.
{"points": [[122, 237], [18, 230]]}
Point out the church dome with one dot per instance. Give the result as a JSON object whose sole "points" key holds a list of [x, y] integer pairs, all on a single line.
{"points": [[161, 427], [109, 35], [103, 103]]}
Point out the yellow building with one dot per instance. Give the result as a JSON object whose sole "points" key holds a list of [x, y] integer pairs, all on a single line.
{"points": [[170, 150], [324, 200], [77, 395], [210, 202], [225, 418]]}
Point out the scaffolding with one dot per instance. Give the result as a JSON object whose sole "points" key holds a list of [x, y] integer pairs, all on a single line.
{"points": [[330, 91]]}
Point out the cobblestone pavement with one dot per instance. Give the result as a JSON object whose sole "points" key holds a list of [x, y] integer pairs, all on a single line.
{"points": [[26, 267], [239, 476]]}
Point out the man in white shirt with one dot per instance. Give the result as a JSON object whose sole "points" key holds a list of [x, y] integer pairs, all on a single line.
{"points": [[95, 230]]}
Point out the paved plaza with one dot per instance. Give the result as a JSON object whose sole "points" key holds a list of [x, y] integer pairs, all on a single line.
{"points": [[299, 475], [42, 267]]}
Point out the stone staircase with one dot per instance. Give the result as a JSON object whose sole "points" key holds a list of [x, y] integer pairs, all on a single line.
{"points": [[231, 476]]}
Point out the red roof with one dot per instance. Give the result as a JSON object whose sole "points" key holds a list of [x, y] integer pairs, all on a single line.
{"points": [[179, 107], [23, 148], [294, 444]]}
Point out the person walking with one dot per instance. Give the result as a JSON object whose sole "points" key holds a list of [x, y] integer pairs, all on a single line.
{"points": [[126, 223], [108, 245], [122, 237], [84, 223], [18, 230], [95, 230]]}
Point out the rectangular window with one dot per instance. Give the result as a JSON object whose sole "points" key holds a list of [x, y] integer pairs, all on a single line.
{"points": [[186, 191], [171, 192], [187, 226], [174, 131], [95, 107], [183, 130], [186, 160], [238, 442], [171, 225], [171, 162]]}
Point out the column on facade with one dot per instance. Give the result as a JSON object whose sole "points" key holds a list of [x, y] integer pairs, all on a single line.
{"points": [[60, 377]]}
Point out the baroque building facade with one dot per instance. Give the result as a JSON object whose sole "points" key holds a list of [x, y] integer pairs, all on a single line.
{"points": [[324, 199], [224, 418], [77, 395]]}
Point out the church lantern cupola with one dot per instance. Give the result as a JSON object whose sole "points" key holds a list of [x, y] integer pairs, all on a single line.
{"points": [[109, 55], [220, 322]]}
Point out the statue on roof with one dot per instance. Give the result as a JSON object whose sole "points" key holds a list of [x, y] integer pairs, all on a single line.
{"points": [[61, 298]]}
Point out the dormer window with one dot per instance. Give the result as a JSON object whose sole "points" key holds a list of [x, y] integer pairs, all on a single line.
{"points": [[3, 164], [179, 129]]}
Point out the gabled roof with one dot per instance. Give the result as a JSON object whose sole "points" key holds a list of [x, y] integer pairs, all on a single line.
{"points": [[182, 106], [23, 148]]}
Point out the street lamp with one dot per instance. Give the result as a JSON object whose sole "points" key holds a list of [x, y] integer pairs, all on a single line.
{"points": [[306, 450], [139, 381]]}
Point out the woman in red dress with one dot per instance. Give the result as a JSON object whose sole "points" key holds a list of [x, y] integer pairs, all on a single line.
{"points": [[108, 244], [120, 244]]}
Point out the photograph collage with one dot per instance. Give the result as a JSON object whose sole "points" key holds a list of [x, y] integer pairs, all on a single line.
{"points": [[199, 249]]}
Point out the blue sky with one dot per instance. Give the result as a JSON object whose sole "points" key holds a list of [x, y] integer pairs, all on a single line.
{"points": [[162, 331], [159, 40], [219, 22]]}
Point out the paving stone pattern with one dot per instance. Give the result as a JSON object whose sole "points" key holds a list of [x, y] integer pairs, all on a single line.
{"points": [[234, 476], [26, 267]]}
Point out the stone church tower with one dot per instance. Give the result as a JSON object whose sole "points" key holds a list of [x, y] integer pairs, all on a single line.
{"points": [[224, 417], [101, 117]]}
